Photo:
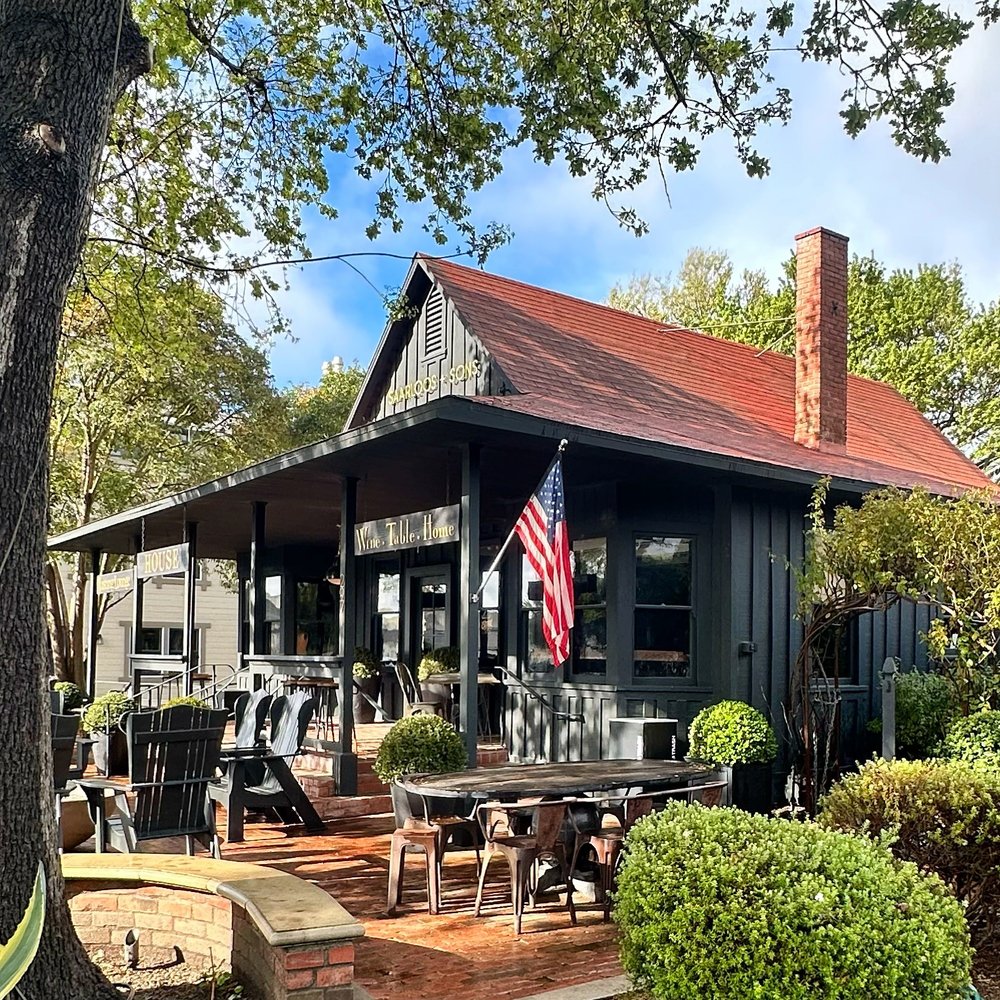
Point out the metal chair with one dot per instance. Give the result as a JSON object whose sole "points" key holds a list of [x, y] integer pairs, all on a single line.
{"points": [[606, 842], [432, 834], [522, 851], [279, 790], [414, 702], [173, 756]]}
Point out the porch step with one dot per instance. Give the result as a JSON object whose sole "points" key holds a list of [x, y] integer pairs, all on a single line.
{"points": [[343, 806]]}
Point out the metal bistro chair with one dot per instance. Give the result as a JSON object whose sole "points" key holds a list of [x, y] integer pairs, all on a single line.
{"points": [[173, 755], [279, 790], [433, 834], [606, 842], [523, 851], [413, 697]]}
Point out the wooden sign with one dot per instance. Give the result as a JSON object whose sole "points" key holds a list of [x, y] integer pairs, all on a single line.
{"points": [[425, 527], [168, 561], [114, 583]]}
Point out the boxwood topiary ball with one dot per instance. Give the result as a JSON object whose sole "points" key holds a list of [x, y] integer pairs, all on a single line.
{"points": [[731, 732], [421, 743]]}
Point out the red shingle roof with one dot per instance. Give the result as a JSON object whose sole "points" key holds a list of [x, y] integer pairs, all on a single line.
{"points": [[600, 368]]}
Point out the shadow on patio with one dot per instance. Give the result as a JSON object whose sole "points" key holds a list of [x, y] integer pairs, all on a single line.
{"points": [[453, 954]]}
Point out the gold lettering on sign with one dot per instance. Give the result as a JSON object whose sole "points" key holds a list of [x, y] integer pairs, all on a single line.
{"points": [[418, 388], [425, 527]]}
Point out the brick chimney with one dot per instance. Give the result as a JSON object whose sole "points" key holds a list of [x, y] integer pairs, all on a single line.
{"points": [[821, 340]]}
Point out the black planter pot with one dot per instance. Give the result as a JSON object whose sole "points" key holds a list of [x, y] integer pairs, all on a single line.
{"points": [[111, 752], [751, 786], [364, 710]]}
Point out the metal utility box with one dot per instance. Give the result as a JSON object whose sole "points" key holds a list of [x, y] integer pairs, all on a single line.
{"points": [[643, 739]]}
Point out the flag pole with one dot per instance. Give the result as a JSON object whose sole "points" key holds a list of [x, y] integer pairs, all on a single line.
{"points": [[513, 531]]}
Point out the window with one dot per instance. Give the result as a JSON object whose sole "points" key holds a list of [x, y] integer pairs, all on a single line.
{"points": [[317, 618], [387, 615], [663, 607], [590, 625], [166, 640], [272, 616], [489, 618]]}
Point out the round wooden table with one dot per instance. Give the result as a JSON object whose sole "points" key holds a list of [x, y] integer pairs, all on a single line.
{"points": [[510, 782]]}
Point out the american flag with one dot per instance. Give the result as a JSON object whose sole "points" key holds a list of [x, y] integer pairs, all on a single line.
{"points": [[542, 529]]}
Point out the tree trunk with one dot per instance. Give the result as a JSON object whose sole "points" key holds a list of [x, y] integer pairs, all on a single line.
{"points": [[61, 76]]}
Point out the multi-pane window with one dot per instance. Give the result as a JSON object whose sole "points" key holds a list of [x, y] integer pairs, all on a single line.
{"points": [[663, 607], [165, 640], [590, 624]]}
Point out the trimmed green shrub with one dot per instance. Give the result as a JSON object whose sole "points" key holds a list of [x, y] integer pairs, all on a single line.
{"points": [[925, 707], [420, 743], [105, 712], [976, 739], [731, 732], [71, 694], [943, 815], [725, 904], [445, 660], [186, 699], [365, 665]]}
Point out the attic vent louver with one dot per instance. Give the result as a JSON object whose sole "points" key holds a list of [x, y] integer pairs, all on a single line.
{"points": [[434, 324]]}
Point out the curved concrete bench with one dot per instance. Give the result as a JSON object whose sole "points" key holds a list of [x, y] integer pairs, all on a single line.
{"points": [[285, 936]]}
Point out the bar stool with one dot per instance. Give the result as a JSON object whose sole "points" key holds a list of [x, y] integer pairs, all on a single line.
{"points": [[415, 835]]}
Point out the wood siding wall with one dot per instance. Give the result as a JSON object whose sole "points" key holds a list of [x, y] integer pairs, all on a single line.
{"points": [[440, 358]]}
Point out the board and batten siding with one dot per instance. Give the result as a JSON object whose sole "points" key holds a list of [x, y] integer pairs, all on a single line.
{"points": [[439, 358]]}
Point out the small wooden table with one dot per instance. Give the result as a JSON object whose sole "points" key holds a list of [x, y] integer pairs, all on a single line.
{"points": [[510, 782]]}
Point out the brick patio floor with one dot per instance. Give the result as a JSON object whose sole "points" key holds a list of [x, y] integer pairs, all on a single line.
{"points": [[454, 954]]}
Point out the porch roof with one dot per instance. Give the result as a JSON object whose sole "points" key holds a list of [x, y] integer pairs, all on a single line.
{"points": [[406, 462]]}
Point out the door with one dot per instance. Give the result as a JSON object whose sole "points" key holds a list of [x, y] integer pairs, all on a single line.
{"points": [[428, 612]]}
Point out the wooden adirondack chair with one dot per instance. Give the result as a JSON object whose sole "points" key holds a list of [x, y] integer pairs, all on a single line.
{"points": [[279, 790], [173, 755], [250, 714]]}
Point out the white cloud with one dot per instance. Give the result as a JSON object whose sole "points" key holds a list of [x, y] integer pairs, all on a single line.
{"points": [[904, 211]]}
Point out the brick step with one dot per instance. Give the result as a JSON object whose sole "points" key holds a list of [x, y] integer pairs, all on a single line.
{"points": [[343, 806]]}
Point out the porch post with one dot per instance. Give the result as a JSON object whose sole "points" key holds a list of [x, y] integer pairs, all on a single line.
{"points": [[257, 596], [137, 588], [345, 764], [92, 625], [190, 594], [469, 572]]}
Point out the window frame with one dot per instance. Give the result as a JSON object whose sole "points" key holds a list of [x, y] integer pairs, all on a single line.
{"points": [[691, 678]]}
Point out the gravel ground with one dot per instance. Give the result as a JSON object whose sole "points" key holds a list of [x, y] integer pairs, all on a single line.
{"points": [[169, 982]]}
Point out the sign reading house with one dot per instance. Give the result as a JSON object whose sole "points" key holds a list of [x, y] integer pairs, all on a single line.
{"points": [[168, 561], [425, 527]]}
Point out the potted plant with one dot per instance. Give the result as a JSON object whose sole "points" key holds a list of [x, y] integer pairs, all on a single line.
{"points": [[419, 744], [367, 672], [445, 660], [101, 720], [191, 700], [72, 696], [736, 738]]}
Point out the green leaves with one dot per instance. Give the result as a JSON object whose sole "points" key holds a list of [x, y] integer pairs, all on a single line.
{"points": [[731, 732], [17, 954], [419, 743], [719, 903], [942, 815]]}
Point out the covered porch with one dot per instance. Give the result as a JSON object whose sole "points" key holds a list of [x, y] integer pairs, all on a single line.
{"points": [[379, 538]]}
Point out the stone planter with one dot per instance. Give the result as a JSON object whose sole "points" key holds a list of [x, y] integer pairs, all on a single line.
{"points": [[364, 711], [111, 752]]}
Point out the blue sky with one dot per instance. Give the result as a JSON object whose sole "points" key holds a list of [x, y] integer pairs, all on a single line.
{"points": [[904, 211]]}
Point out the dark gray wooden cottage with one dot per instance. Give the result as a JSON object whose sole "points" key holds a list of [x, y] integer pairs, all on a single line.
{"points": [[688, 472]]}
